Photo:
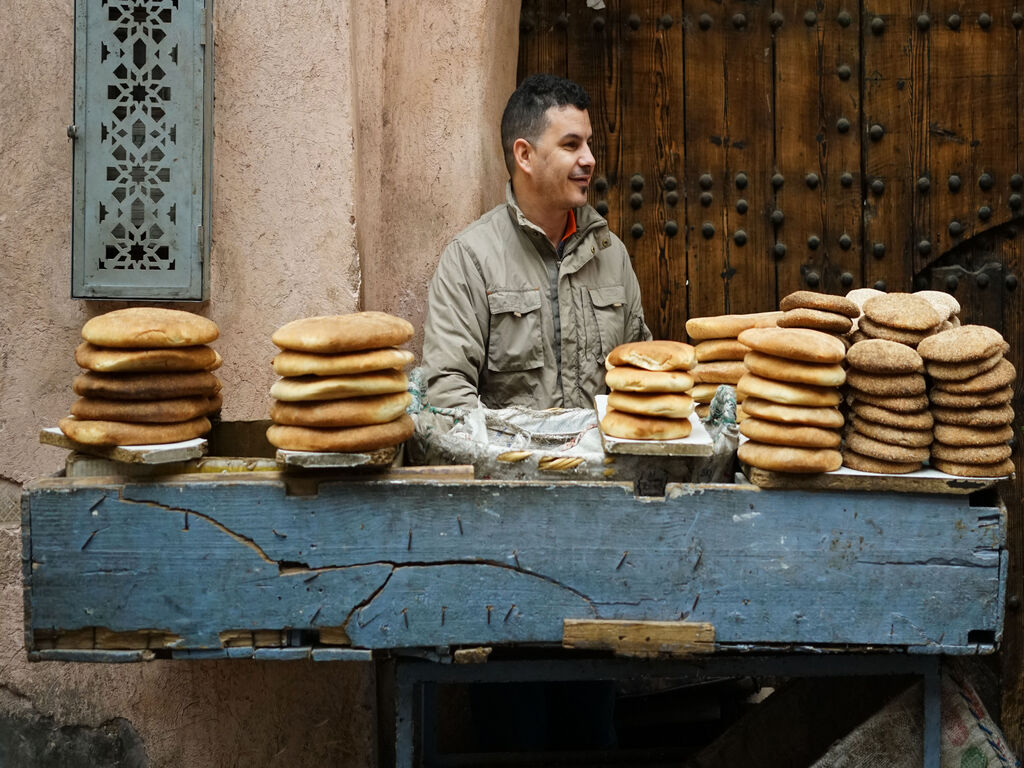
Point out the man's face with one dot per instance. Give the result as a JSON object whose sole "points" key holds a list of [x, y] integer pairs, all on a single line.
{"points": [[562, 162]]}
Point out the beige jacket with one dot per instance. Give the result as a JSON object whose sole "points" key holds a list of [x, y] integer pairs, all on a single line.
{"points": [[490, 329]]}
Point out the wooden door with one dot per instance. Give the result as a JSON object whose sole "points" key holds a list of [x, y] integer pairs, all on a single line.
{"points": [[746, 150]]}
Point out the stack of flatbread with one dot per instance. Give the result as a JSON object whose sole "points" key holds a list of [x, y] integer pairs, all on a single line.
{"points": [[148, 378], [343, 388], [972, 387], [791, 396], [946, 306], [902, 317], [648, 382], [889, 427], [820, 312], [720, 354]]}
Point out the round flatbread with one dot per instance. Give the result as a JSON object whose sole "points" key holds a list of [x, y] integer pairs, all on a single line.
{"points": [[828, 417], [115, 360], [959, 345], [998, 469], [819, 320], [705, 393], [971, 454], [101, 432], [146, 327], [859, 295], [996, 416], [960, 371], [824, 302], [625, 378], [951, 434], [877, 449], [781, 369], [795, 344], [720, 349], [780, 458], [341, 439], [873, 330], [753, 385], [292, 363], [1003, 374], [728, 326], [775, 433], [703, 410], [883, 356], [718, 372], [301, 388], [902, 311], [350, 412], [146, 386], [141, 411], [941, 302], [911, 420], [217, 362], [909, 438], [633, 427], [862, 463], [658, 355], [971, 399], [666, 406], [331, 334], [899, 403], [886, 384]]}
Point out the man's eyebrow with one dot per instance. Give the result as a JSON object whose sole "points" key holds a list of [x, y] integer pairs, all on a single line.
{"points": [[575, 136]]}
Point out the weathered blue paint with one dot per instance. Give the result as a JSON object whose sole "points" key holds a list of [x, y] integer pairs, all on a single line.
{"points": [[402, 564]]}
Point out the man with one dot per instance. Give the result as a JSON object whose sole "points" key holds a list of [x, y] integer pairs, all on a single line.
{"points": [[528, 300]]}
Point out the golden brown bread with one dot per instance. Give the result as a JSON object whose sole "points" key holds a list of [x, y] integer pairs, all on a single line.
{"points": [[349, 412], [118, 360], [824, 302], [669, 406], [720, 349], [776, 433], [753, 385], [147, 327], [779, 458], [633, 427], [625, 378], [341, 439], [101, 432], [728, 326], [959, 345], [332, 334], [657, 355], [299, 388], [795, 344], [141, 411], [902, 311], [883, 356], [146, 386], [829, 417], [782, 369], [291, 363]]}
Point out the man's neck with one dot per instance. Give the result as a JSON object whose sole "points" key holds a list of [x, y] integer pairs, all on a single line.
{"points": [[552, 220]]}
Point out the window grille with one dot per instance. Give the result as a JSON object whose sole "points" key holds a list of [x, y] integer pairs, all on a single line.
{"points": [[141, 134]]}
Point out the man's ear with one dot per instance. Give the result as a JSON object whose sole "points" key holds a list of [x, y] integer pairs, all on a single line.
{"points": [[522, 153]]}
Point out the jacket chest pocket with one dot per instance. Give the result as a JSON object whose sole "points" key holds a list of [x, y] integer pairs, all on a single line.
{"points": [[605, 315], [516, 342]]}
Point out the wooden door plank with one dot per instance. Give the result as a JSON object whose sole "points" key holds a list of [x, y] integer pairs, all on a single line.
{"points": [[749, 274], [800, 138], [839, 268], [705, 94], [652, 149], [593, 61], [893, 92], [543, 45]]}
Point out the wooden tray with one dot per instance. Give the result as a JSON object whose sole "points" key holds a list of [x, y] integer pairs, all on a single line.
{"points": [[845, 479], [697, 444], [382, 457], [164, 453]]}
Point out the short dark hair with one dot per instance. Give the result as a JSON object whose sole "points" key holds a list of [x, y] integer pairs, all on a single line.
{"points": [[525, 113]]}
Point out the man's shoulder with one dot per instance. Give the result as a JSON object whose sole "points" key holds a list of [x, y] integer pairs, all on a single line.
{"points": [[495, 221]]}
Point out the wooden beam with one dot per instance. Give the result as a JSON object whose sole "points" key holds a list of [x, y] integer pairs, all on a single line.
{"points": [[639, 638]]}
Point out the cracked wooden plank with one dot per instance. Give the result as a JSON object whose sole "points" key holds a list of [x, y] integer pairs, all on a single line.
{"points": [[507, 562]]}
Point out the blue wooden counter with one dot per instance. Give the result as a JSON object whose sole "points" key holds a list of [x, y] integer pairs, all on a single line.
{"points": [[263, 564]]}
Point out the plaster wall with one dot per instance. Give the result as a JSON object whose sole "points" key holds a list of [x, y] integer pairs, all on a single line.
{"points": [[352, 139]]}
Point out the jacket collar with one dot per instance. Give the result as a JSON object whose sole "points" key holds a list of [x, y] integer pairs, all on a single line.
{"points": [[587, 221]]}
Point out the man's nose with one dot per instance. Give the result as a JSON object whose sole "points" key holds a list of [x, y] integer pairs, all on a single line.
{"points": [[587, 157]]}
